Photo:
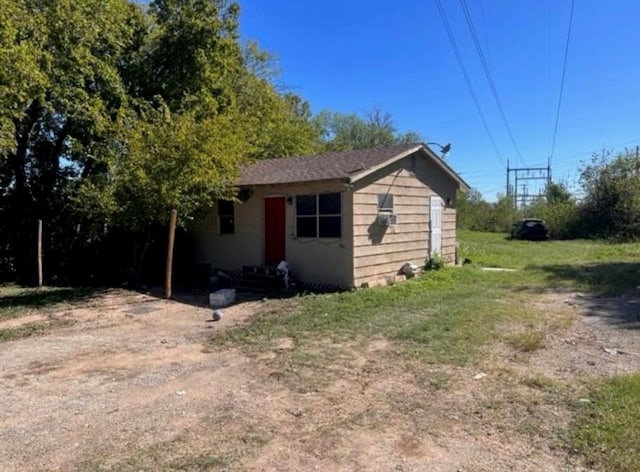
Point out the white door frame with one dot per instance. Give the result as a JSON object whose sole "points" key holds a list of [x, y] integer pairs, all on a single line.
{"points": [[435, 225]]}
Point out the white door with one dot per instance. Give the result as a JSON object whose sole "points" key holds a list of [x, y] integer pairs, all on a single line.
{"points": [[435, 225]]}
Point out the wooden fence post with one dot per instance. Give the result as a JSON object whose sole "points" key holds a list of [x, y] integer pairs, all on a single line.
{"points": [[39, 253], [172, 235]]}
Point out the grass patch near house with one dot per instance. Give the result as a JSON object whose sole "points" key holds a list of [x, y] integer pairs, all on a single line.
{"points": [[448, 316], [606, 430], [451, 318], [596, 266], [444, 316]]}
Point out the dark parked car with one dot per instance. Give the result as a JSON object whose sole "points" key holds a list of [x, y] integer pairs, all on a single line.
{"points": [[533, 229]]}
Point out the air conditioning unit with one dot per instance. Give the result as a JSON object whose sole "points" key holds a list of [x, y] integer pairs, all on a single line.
{"points": [[386, 219]]}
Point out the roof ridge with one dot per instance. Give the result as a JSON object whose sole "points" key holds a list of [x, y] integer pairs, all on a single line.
{"points": [[323, 166]]}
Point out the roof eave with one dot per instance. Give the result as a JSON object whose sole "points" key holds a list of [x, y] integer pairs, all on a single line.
{"points": [[429, 153], [371, 170], [452, 173]]}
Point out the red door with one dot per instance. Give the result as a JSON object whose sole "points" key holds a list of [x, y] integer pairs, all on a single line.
{"points": [[274, 229]]}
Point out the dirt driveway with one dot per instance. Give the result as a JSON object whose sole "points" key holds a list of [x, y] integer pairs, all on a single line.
{"points": [[134, 385]]}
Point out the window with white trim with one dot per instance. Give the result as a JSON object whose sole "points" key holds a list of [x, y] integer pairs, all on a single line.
{"points": [[319, 216]]}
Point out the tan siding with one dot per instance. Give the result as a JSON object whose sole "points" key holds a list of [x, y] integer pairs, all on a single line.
{"points": [[320, 261], [449, 235], [391, 247], [376, 189], [394, 259], [367, 220], [380, 252], [403, 227], [393, 238]]}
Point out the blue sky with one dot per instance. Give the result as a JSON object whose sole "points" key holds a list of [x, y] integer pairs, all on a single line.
{"points": [[353, 55]]}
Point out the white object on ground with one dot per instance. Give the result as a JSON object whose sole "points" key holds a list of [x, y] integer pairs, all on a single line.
{"points": [[479, 375], [410, 269], [222, 297], [283, 267]]}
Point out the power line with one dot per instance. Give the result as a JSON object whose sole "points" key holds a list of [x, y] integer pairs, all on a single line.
{"points": [[454, 45], [564, 72], [489, 75]]}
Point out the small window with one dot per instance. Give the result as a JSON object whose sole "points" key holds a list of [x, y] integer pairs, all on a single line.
{"points": [[319, 216], [385, 202], [226, 217]]}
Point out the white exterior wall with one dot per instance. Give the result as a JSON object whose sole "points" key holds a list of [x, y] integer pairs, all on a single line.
{"points": [[312, 260]]}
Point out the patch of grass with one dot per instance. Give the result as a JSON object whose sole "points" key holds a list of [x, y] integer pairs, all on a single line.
{"points": [[451, 317], [527, 341], [602, 267], [443, 316], [447, 316], [33, 329], [606, 429], [180, 454], [16, 301]]}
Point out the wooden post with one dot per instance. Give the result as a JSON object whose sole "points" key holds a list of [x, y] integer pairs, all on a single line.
{"points": [[39, 253], [172, 235]]}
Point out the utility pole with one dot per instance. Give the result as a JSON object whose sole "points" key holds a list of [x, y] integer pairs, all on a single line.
{"points": [[169, 268], [522, 178]]}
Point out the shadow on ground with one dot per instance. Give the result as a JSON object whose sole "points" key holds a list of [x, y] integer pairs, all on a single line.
{"points": [[611, 290], [621, 312], [602, 279], [200, 298], [39, 298]]}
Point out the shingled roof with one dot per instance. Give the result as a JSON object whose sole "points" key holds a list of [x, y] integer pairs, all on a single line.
{"points": [[347, 165]]}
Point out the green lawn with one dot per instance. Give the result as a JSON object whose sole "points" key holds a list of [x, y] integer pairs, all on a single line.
{"points": [[595, 266], [449, 317], [607, 430]]}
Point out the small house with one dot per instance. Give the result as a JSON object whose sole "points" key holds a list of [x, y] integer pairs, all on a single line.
{"points": [[340, 219]]}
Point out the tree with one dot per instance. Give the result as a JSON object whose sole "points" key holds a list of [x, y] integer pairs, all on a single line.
{"points": [[472, 211], [110, 115], [278, 124], [611, 202], [559, 210], [198, 117], [61, 99], [340, 132]]}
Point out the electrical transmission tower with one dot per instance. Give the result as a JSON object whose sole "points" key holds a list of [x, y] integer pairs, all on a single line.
{"points": [[523, 184]]}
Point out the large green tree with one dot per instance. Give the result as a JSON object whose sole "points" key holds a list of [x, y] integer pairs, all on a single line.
{"points": [[340, 132], [112, 114], [611, 202], [61, 99]]}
